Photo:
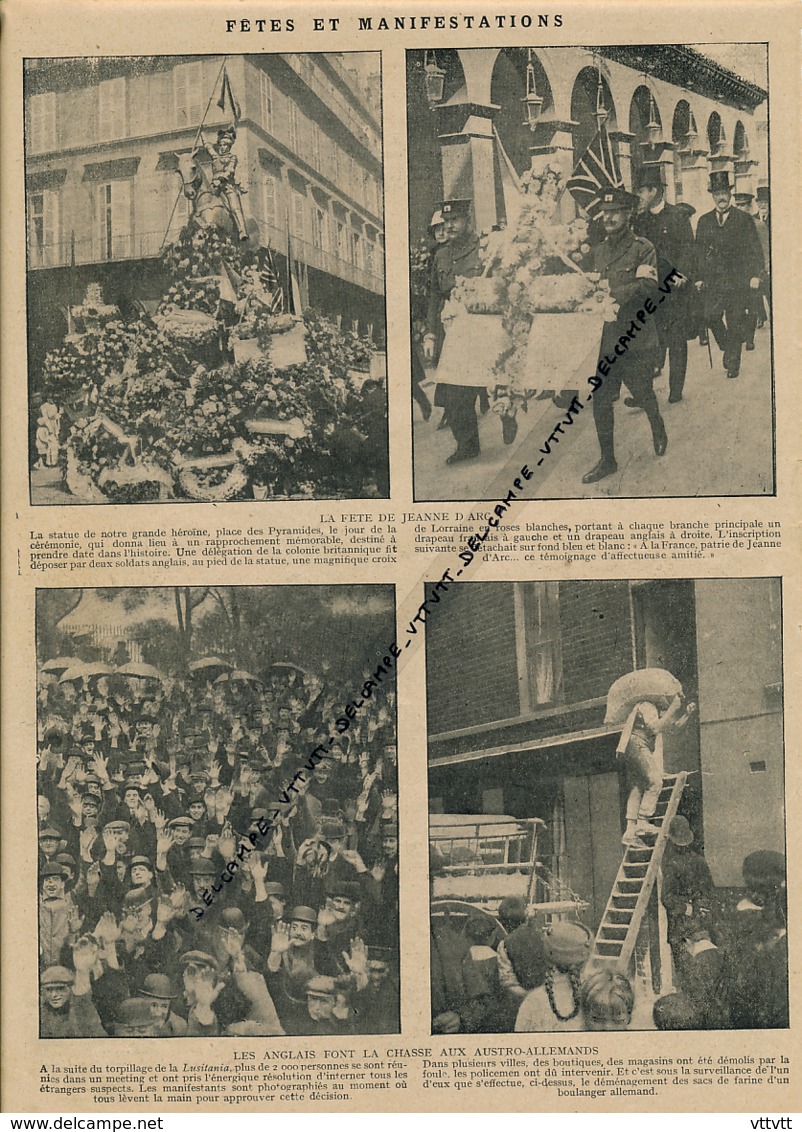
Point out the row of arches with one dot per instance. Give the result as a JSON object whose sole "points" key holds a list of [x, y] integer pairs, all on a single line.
{"points": [[482, 104]]}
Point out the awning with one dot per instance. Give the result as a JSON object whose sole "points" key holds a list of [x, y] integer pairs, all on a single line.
{"points": [[561, 740]]}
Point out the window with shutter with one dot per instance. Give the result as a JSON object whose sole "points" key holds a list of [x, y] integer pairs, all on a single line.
{"points": [[111, 118], [115, 220], [266, 101], [293, 130], [270, 199], [42, 119], [188, 94], [541, 643], [298, 214]]}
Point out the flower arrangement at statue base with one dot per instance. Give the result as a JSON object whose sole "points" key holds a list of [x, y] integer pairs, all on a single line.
{"points": [[163, 407], [533, 308]]}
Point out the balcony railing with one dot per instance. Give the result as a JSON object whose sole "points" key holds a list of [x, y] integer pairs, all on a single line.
{"points": [[147, 245], [324, 260]]}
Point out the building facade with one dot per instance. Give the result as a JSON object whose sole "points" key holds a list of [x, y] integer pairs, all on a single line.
{"points": [[517, 678], [495, 110], [104, 196]]}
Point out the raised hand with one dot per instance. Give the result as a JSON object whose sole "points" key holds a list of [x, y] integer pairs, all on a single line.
{"points": [[325, 918], [110, 842], [84, 954], [280, 941], [207, 988], [232, 942], [101, 767], [179, 898], [378, 871], [164, 841], [93, 872], [107, 931], [164, 910], [226, 842]]}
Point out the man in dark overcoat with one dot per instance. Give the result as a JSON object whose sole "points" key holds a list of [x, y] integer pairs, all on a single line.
{"points": [[729, 265], [668, 228]]}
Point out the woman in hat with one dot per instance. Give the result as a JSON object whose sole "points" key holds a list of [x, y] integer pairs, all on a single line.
{"points": [[557, 1004]]}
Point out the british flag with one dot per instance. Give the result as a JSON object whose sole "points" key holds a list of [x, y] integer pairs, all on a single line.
{"points": [[270, 280], [596, 171]]}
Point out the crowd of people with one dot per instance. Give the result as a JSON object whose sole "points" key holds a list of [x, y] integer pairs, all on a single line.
{"points": [[720, 290], [509, 972], [152, 792]]}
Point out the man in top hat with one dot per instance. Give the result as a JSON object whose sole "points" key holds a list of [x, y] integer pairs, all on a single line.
{"points": [[458, 258], [668, 229], [629, 264], [763, 231], [729, 265]]}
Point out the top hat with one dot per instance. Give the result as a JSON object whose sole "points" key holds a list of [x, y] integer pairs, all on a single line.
{"points": [[719, 182], [743, 199], [649, 177], [763, 194]]}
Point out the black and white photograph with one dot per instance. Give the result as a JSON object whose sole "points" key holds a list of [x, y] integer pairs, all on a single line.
{"points": [[590, 272], [607, 807], [217, 855], [205, 287]]}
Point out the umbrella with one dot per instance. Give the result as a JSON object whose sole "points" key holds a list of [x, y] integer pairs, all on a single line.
{"points": [[287, 664], [144, 671], [643, 684], [209, 662], [61, 664], [237, 675], [76, 672]]}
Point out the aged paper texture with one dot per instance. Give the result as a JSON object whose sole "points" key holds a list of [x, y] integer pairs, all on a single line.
{"points": [[400, 564]]}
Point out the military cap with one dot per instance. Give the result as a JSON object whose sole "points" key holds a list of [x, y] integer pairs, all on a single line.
{"points": [[158, 986], [303, 914], [719, 182], [455, 207], [57, 977], [617, 200]]}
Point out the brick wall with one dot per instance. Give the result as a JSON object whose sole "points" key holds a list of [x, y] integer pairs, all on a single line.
{"points": [[470, 658], [596, 637]]}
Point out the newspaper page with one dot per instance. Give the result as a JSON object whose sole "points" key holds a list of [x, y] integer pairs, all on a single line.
{"points": [[400, 557]]}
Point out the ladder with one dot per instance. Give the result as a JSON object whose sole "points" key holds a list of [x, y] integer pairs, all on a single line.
{"points": [[618, 931]]}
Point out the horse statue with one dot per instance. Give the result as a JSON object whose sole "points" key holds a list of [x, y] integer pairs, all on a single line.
{"points": [[216, 203]]}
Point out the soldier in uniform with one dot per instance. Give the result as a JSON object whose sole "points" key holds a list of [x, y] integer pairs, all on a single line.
{"points": [[729, 264], [668, 228], [628, 263], [458, 257]]}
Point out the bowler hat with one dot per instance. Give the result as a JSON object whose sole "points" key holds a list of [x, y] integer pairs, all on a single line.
{"points": [[202, 866], [331, 828], [274, 888], [135, 898], [303, 914], [135, 1012], [158, 986], [51, 870], [679, 831], [233, 918]]}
